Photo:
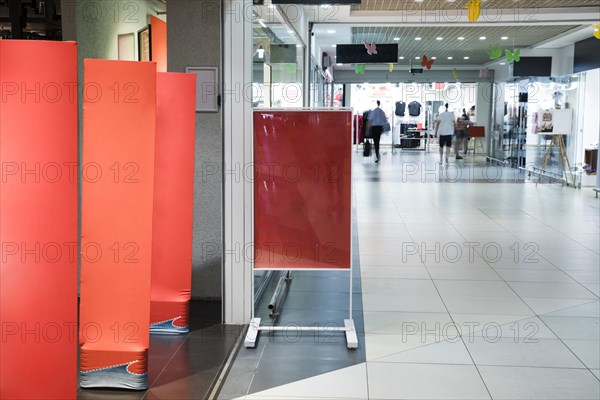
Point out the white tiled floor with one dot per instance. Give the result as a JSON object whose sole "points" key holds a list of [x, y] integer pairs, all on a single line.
{"points": [[518, 318]]}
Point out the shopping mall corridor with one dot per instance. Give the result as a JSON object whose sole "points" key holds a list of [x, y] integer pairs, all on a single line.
{"points": [[471, 282]]}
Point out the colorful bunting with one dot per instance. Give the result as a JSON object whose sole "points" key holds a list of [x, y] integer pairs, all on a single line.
{"points": [[474, 7], [391, 67], [494, 52], [371, 48], [513, 55], [427, 62], [455, 73], [359, 69]]}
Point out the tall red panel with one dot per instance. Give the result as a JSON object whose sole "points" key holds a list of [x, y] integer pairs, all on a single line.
{"points": [[119, 119], [173, 202], [38, 219], [159, 43], [302, 186]]}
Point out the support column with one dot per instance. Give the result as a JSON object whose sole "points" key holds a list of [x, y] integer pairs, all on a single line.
{"points": [[237, 146]]}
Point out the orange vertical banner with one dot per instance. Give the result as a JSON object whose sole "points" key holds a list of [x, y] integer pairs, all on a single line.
{"points": [[158, 41], [38, 219], [173, 202], [119, 118]]}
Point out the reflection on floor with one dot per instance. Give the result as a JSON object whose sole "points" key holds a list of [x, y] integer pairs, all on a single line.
{"points": [[183, 367], [482, 286]]}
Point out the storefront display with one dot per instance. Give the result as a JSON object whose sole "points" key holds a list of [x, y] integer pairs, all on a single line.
{"points": [[38, 219]]}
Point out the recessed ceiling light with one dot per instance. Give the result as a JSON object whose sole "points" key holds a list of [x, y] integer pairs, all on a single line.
{"points": [[482, 38], [417, 38], [450, 58], [434, 58], [396, 39], [439, 38], [400, 58], [502, 63], [461, 38], [419, 1], [330, 31], [417, 58], [504, 37], [466, 57]]}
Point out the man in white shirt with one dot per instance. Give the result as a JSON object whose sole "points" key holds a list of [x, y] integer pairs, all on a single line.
{"points": [[444, 126]]}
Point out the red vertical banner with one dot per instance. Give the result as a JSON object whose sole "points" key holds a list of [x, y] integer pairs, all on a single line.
{"points": [[173, 202], [119, 117], [158, 41], [38, 219], [302, 189]]}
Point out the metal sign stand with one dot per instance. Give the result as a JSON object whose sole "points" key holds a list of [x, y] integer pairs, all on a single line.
{"points": [[348, 328]]}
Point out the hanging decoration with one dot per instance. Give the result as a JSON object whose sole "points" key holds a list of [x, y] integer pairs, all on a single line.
{"points": [[359, 68], [513, 55], [455, 73], [474, 7], [484, 72], [371, 48], [596, 26], [494, 52], [427, 62], [390, 67]]}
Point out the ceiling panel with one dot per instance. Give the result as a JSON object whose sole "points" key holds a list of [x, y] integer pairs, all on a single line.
{"points": [[399, 5], [449, 46]]}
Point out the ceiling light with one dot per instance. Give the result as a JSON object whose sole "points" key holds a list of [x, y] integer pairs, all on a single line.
{"points": [[466, 57], [450, 58], [261, 53], [434, 58], [417, 38], [400, 58], [330, 31], [502, 63], [482, 38], [396, 39], [461, 38], [504, 37], [439, 38], [417, 58]]}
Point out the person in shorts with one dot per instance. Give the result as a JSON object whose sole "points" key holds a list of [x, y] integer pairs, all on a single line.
{"points": [[462, 123], [444, 127]]}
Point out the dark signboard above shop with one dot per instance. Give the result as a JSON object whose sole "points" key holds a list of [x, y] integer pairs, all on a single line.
{"points": [[357, 53], [308, 2]]}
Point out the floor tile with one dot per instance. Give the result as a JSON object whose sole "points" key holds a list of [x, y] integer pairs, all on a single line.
{"points": [[395, 272], [346, 383], [588, 309], [529, 275], [486, 305], [414, 381], [588, 351], [520, 383], [549, 305], [476, 273], [474, 288], [400, 302], [522, 352], [552, 290], [444, 352], [578, 328]]}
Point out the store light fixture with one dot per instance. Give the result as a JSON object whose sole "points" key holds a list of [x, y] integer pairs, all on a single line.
{"points": [[502, 63], [482, 38], [417, 58], [434, 58], [466, 57], [450, 58], [461, 38], [400, 58], [439, 38], [417, 38], [504, 38], [396, 39]]}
